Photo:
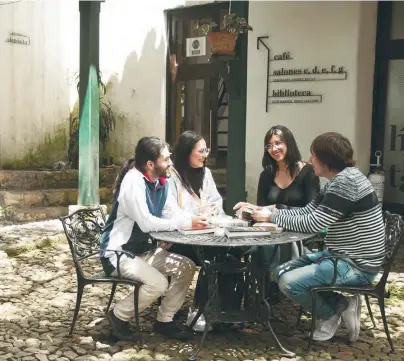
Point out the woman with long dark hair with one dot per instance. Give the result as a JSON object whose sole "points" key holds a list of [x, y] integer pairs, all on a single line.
{"points": [[193, 187], [285, 182], [192, 184]]}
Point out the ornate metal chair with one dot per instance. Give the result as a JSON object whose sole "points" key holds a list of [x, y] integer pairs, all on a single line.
{"points": [[83, 231], [394, 232]]}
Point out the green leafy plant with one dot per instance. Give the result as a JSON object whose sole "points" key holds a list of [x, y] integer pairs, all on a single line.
{"points": [[234, 24], [107, 126], [231, 23]]}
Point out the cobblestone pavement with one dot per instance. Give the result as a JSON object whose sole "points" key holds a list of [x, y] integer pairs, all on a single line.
{"points": [[37, 298]]}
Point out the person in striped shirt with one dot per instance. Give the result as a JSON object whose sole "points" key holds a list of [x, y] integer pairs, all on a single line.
{"points": [[349, 207]]}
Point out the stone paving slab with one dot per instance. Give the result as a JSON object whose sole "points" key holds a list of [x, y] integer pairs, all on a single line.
{"points": [[37, 299], [22, 237]]}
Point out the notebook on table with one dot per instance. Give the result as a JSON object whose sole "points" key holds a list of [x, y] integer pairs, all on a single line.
{"points": [[197, 230], [226, 221], [237, 232], [274, 228]]}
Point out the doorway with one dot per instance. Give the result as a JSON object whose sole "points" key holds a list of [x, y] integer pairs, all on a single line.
{"points": [[388, 102], [197, 97]]}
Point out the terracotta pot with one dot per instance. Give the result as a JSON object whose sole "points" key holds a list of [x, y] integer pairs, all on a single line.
{"points": [[222, 42]]}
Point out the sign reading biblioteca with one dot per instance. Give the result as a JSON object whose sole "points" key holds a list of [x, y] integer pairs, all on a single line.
{"points": [[308, 74], [287, 94]]}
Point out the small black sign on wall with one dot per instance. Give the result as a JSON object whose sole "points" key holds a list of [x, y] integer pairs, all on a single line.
{"points": [[18, 38]]}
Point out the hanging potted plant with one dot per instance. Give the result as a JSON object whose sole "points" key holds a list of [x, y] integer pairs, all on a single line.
{"points": [[224, 42]]}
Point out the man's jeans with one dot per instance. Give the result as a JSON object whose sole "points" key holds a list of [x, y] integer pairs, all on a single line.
{"points": [[295, 279]]}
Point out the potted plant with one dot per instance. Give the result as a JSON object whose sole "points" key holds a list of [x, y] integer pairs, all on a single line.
{"points": [[224, 42]]}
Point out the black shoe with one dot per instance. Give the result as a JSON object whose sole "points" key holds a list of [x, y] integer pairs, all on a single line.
{"points": [[120, 329], [171, 330], [181, 314]]}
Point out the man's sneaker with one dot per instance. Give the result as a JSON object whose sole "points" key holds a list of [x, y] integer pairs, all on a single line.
{"points": [[352, 317], [325, 329], [171, 330], [120, 329]]}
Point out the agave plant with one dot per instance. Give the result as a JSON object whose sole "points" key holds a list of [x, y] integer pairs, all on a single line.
{"points": [[207, 27]]}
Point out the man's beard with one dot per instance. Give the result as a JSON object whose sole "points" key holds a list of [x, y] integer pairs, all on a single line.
{"points": [[162, 172]]}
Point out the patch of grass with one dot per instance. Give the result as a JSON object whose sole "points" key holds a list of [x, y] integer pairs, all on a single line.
{"points": [[396, 291], [51, 241], [50, 149], [48, 242]]}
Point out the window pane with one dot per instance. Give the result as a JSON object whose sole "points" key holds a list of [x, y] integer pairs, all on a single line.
{"points": [[394, 134], [397, 21]]}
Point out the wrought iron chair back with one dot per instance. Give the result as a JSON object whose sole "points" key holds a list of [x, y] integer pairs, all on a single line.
{"points": [[83, 229], [394, 226]]}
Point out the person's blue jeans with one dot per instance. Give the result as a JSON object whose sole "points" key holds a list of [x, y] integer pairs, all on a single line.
{"points": [[295, 279]]}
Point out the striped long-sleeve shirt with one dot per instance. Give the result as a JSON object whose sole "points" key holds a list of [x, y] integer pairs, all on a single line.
{"points": [[348, 206]]}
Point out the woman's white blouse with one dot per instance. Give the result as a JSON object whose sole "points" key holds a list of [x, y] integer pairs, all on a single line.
{"points": [[191, 203]]}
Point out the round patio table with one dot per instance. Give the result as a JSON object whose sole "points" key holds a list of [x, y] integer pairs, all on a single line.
{"points": [[209, 239], [256, 307]]}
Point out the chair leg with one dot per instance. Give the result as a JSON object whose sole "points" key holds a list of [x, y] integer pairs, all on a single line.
{"points": [[136, 300], [111, 297], [80, 289], [313, 320], [194, 355], [370, 310], [299, 317], [386, 327], [196, 318]]}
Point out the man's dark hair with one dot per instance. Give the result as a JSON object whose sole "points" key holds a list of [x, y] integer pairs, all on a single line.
{"points": [[148, 148], [191, 178], [292, 156], [333, 150]]}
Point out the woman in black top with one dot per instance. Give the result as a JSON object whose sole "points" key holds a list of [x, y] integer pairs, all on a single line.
{"points": [[286, 181], [302, 189]]}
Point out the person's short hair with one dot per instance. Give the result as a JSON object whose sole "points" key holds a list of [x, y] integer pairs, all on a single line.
{"points": [[333, 150]]}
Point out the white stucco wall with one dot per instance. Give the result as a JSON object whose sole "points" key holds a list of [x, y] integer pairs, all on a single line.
{"points": [[132, 59], [315, 33], [38, 81], [35, 79]]}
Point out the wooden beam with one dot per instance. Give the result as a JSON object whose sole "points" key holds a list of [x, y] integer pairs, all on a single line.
{"points": [[236, 167]]}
